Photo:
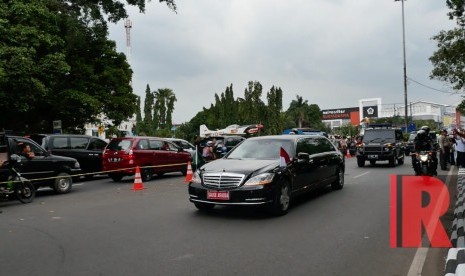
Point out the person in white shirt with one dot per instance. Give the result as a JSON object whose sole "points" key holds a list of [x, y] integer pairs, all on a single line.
{"points": [[460, 147]]}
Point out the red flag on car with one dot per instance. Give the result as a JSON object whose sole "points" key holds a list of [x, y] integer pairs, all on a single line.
{"points": [[283, 157]]}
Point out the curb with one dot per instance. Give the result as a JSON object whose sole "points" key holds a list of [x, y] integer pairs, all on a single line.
{"points": [[455, 262]]}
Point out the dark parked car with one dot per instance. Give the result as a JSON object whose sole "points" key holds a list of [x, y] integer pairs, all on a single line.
{"points": [[88, 150], [44, 169], [252, 174], [152, 154]]}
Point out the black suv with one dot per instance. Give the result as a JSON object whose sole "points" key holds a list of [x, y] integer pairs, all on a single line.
{"points": [[86, 149], [381, 144], [44, 169]]}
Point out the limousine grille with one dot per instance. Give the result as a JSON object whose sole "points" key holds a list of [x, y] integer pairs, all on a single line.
{"points": [[222, 180]]}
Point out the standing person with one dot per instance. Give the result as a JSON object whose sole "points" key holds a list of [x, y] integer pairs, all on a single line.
{"points": [[444, 149], [452, 150], [207, 152], [460, 147]]}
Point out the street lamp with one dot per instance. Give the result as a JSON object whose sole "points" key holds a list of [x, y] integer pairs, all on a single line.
{"points": [[405, 67]]}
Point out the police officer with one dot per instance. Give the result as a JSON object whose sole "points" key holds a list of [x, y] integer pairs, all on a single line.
{"points": [[423, 142]]}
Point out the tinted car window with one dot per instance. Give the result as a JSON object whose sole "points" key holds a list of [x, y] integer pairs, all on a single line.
{"points": [[379, 136], [60, 142], [96, 144], [261, 149], [326, 145], [119, 145], [79, 142], [310, 146], [143, 144], [155, 144], [172, 147]]}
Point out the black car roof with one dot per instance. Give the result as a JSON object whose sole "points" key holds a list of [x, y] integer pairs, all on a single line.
{"points": [[288, 137]]}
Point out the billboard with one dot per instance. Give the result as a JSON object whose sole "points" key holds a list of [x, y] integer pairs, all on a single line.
{"points": [[340, 113], [370, 111]]}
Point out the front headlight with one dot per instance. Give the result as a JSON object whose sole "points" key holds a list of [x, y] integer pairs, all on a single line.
{"points": [[196, 178], [261, 179], [76, 165], [424, 158]]}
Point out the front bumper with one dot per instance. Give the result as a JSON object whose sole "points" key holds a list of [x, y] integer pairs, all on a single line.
{"points": [[244, 195]]}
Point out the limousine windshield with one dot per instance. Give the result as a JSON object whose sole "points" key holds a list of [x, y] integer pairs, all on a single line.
{"points": [[261, 149]]}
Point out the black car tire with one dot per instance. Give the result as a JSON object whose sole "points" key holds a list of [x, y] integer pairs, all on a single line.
{"points": [[63, 183], [339, 182], [360, 162], [282, 199], [146, 174], [204, 206], [116, 177]]}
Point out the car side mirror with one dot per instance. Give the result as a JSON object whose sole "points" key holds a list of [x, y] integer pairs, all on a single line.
{"points": [[303, 157], [15, 158]]}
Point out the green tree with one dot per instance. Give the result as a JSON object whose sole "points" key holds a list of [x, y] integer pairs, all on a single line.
{"points": [[164, 107], [274, 120], [56, 62], [449, 59], [148, 125], [139, 121], [298, 110]]}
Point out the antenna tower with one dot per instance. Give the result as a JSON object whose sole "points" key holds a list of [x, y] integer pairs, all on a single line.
{"points": [[128, 26]]}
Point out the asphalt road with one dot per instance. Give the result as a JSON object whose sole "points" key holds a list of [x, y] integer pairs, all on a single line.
{"points": [[105, 228]]}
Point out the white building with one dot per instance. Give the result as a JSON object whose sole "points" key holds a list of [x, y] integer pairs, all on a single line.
{"points": [[125, 127]]}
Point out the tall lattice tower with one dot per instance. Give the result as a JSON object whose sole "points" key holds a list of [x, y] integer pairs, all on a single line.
{"points": [[128, 26]]}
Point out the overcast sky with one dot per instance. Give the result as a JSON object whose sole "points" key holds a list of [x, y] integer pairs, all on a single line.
{"points": [[331, 52]]}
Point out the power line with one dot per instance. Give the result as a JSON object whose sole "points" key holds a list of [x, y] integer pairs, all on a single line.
{"points": [[432, 88]]}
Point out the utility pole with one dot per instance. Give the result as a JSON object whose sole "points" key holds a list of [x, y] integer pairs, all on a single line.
{"points": [[405, 67]]}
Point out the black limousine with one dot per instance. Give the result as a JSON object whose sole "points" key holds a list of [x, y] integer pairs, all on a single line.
{"points": [[268, 170]]}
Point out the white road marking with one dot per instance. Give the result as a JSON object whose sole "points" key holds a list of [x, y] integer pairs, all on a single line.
{"points": [[360, 175], [420, 256]]}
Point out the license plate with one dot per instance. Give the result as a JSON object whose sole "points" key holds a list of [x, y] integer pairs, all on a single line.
{"points": [[219, 195], [114, 159], [372, 156]]}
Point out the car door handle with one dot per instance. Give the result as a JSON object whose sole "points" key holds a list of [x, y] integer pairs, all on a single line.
{"points": [[310, 161]]}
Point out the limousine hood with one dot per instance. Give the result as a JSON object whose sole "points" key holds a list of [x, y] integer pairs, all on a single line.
{"points": [[243, 166]]}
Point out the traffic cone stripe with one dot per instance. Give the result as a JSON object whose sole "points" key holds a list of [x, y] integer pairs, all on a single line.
{"points": [[138, 185], [189, 172]]}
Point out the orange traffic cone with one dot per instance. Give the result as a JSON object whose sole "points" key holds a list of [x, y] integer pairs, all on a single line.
{"points": [[138, 185], [189, 172], [348, 154]]}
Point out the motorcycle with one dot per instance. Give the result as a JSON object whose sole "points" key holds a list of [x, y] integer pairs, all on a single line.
{"points": [[424, 163], [16, 185]]}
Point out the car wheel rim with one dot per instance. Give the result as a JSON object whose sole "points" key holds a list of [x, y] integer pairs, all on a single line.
{"points": [[63, 184], [341, 177], [284, 198]]}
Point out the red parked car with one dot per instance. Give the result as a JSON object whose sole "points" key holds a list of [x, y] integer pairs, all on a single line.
{"points": [[153, 155]]}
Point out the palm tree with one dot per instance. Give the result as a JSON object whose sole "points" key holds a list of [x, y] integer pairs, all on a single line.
{"points": [[298, 111], [164, 106]]}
